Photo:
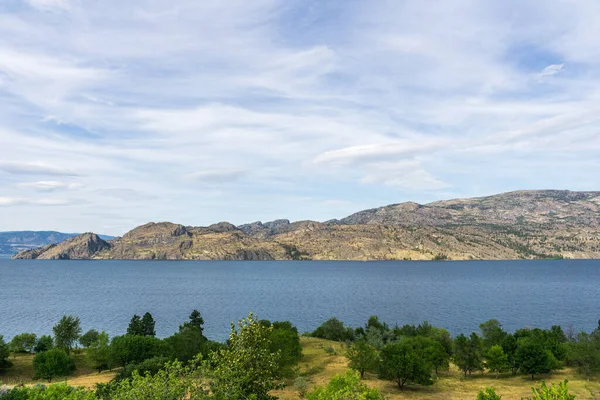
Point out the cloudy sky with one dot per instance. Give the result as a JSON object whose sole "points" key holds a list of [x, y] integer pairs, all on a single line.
{"points": [[116, 113]]}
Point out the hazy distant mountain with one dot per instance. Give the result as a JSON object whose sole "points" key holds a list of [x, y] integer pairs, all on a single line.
{"points": [[524, 224], [16, 241]]}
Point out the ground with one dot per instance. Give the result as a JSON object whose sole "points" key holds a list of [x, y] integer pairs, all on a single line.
{"points": [[318, 366], [22, 372]]}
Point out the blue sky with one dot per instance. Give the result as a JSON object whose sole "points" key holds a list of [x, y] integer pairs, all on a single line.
{"points": [[113, 114]]}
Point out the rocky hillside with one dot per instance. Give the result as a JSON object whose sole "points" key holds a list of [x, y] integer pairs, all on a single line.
{"points": [[516, 225]]}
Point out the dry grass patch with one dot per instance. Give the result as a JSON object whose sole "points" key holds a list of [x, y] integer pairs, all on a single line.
{"points": [[22, 373], [319, 367]]}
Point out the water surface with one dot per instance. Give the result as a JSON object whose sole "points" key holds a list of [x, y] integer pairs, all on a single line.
{"points": [[454, 295]]}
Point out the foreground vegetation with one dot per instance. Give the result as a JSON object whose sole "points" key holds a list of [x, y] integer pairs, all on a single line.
{"points": [[264, 360]]}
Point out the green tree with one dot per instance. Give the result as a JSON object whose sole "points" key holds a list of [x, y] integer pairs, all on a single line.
{"points": [[135, 326], [488, 394], [468, 353], [334, 329], [492, 333], [435, 353], [148, 325], [246, 368], [134, 349], [44, 343], [4, 353], [401, 363], [532, 358], [52, 363], [585, 353], [496, 361], [187, 343], [195, 321], [23, 343], [560, 392], [284, 340], [363, 357], [345, 387], [88, 338], [98, 353], [66, 332]]}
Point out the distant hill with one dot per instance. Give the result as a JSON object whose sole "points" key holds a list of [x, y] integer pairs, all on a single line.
{"points": [[15, 241], [515, 225]]}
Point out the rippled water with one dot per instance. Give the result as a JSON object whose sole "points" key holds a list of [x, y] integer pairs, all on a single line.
{"points": [[455, 295]]}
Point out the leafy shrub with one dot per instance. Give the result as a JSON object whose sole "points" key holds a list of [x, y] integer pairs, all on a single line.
{"points": [[52, 363]]}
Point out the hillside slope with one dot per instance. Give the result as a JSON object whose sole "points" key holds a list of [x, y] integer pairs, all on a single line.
{"points": [[516, 225]]}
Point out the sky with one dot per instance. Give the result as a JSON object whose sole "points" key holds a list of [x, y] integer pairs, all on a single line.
{"points": [[117, 113]]}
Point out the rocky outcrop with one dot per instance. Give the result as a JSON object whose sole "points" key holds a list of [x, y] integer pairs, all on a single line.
{"points": [[516, 225], [82, 247]]}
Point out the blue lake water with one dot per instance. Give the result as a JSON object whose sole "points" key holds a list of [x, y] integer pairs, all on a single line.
{"points": [[455, 295]]}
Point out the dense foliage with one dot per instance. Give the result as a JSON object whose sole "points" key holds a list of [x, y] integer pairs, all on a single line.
{"points": [[4, 353], [52, 363], [345, 387], [67, 332]]}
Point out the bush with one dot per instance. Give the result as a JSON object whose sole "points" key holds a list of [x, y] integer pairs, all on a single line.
{"points": [[57, 391], [150, 367], [345, 387], [44, 343], [488, 394], [23, 343], [333, 329], [560, 392], [133, 349], [52, 363], [4, 353], [88, 338]]}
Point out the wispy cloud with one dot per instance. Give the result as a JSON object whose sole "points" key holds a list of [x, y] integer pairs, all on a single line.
{"points": [[35, 168], [50, 186]]}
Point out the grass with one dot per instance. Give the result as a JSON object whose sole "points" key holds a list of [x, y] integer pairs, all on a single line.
{"points": [[22, 373], [318, 366]]}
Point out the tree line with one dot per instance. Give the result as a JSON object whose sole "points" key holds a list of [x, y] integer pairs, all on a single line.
{"points": [[260, 353]]}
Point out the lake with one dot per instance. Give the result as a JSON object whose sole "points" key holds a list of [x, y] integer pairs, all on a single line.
{"points": [[452, 294]]}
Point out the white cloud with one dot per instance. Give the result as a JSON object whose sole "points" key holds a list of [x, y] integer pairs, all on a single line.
{"points": [[49, 186], [551, 70], [50, 4], [35, 168], [152, 100], [16, 201], [216, 176]]}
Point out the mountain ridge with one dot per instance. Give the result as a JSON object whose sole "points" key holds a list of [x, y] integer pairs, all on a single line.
{"points": [[512, 225], [12, 242]]}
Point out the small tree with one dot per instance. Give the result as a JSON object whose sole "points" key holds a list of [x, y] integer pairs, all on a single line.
{"points": [[52, 363], [560, 392], [246, 369], [345, 387], [23, 343], [468, 353], [196, 321], [301, 384], [148, 325], [492, 333], [98, 353], [66, 332], [88, 338], [401, 363], [533, 359], [44, 343], [435, 353], [363, 357], [4, 353], [496, 361], [585, 353], [488, 394], [134, 349], [334, 329], [135, 326]]}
